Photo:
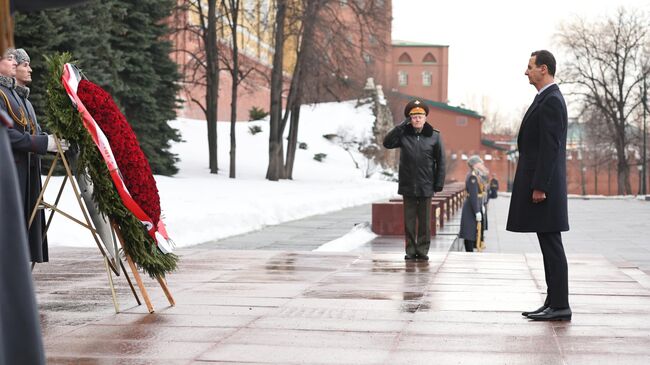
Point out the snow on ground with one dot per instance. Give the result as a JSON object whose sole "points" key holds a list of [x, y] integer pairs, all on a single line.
{"points": [[198, 206], [357, 237]]}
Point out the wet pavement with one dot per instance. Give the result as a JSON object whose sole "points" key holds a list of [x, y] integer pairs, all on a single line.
{"points": [[269, 302]]}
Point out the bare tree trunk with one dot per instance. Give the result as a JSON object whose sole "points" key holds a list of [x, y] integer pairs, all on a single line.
{"points": [[583, 179], [212, 88], [609, 177], [292, 142], [622, 172], [233, 122], [234, 71], [596, 178], [276, 156], [294, 101]]}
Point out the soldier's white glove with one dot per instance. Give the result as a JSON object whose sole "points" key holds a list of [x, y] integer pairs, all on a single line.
{"points": [[479, 216], [51, 144]]}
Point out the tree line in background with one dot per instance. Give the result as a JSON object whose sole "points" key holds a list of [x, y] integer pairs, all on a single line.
{"points": [[122, 46], [608, 65], [605, 65], [317, 35], [125, 47]]}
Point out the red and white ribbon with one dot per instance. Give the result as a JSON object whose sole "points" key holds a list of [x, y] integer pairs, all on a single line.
{"points": [[70, 80]]}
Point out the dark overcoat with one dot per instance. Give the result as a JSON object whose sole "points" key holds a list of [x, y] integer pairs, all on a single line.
{"points": [[20, 334], [38, 246], [27, 144], [541, 166], [471, 206], [422, 159]]}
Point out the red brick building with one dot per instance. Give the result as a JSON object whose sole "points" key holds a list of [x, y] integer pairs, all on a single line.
{"points": [[419, 69], [422, 70]]}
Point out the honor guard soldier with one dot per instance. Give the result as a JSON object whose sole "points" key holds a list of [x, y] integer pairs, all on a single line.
{"points": [[472, 214], [494, 187], [28, 143]]}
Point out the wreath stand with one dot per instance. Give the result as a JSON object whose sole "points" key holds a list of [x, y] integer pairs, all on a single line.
{"points": [[112, 264]]}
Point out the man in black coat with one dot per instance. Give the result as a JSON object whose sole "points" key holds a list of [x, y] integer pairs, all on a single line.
{"points": [[539, 193], [421, 173]]}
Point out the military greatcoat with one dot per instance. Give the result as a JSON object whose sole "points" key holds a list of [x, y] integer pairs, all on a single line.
{"points": [[27, 144], [20, 333], [471, 206]]}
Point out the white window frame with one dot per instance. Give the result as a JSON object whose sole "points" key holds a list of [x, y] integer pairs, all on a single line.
{"points": [[427, 78], [402, 78]]}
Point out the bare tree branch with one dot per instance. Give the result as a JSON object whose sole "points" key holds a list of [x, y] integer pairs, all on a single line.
{"points": [[608, 60]]}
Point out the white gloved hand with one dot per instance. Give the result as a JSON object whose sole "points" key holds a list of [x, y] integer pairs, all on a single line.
{"points": [[51, 144], [479, 216], [65, 145]]}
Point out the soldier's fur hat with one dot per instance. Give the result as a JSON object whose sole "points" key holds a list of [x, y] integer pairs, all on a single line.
{"points": [[473, 160], [21, 56]]}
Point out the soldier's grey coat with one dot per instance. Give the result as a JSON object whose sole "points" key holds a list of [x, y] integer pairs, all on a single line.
{"points": [[27, 145]]}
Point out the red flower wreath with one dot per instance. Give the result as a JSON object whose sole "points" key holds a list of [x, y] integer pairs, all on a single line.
{"points": [[132, 162]]}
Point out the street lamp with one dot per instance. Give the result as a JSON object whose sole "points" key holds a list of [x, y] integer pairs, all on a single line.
{"points": [[641, 178], [508, 189], [512, 159], [644, 99]]}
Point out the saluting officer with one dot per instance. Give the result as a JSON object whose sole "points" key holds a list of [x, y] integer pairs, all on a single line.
{"points": [[421, 174]]}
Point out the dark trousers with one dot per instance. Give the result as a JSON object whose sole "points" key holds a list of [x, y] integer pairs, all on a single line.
{"points": [[417, 216], [555, 270], [469, 245]]}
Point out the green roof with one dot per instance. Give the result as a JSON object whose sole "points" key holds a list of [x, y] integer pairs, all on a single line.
{"points": [[492, 144], [439, 105], [398, 43]]}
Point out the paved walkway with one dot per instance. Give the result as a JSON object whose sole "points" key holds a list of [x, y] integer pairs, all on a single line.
{"points": [[618, 229], [257, 299]]}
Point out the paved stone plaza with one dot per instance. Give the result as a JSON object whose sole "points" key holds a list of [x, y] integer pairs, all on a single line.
{"points": [[266, 298]]}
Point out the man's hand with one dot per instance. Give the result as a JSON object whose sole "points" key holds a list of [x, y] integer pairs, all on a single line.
{"points": [[538, 196], [479, 216]]}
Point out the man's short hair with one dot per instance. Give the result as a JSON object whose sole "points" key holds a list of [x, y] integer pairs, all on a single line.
{"points": [[545, 57]]}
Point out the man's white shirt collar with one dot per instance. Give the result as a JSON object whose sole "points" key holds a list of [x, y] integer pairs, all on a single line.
{"points": [[545, 87]]}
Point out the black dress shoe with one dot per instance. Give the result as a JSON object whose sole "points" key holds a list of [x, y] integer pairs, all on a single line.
{"points": [[551, 314], [422, 257], [409, 257], [538, 310]]}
